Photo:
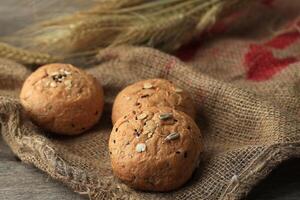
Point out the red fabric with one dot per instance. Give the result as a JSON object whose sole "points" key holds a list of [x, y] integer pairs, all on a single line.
{"points": [[274, 46], [262, 64], [268, 2], [284, 40]]}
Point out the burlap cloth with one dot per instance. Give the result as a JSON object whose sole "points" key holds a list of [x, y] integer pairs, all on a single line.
{"points": [[247, 94]]}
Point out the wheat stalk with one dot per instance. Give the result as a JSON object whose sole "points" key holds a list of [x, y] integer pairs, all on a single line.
{"points": [[164, 24], [25, 57]]}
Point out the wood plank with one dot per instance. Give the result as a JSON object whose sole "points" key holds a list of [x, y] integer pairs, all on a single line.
{"points": [[282, 184], [20, 181]]}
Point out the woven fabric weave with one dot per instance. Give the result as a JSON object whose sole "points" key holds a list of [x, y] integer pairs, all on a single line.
{"points": [[247, 91]]}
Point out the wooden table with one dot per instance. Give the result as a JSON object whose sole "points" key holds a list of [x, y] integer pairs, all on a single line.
{"points": [[20, 181]]}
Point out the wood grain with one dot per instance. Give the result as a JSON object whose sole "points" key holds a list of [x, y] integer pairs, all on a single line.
{"points": [[20, 181], [282, 184]]}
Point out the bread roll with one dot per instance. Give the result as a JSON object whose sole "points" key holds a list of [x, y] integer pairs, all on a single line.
{"points": [[152, 93], [62, 99], [156, 149]]}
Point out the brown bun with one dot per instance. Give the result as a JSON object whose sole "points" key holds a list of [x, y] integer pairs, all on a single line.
{"points": [[156, 149], [151, 93], [62, 98]]}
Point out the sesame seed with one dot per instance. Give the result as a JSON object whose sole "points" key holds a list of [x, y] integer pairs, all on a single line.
{"points": [[178, 90], [148, 86], [140, 147], [142, 116], [172, 136], [165, 116]]}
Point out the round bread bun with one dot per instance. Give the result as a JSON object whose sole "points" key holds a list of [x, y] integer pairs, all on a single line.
{"points": [[156, 149], [151, 93], [62, 99]]}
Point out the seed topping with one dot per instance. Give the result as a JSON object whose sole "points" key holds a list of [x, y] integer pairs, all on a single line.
{"points": [[140, 147], [178, 90], [148, 86], [172, 136], [142, 116], [165, 116]]}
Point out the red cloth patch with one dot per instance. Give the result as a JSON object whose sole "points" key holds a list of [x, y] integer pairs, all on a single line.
{"points": [[284, 40], [268, 2], [188, 51], [260, 61], [262, 64]]}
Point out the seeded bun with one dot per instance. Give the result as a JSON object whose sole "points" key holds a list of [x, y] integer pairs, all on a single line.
{"points": [[62, 98], [151, 93], [156, 149]]}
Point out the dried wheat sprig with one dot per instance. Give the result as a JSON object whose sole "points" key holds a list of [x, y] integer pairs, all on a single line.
{"points": [[164, 24], [24, 56], [105, 7], [150, 6], [167, 29], [110, 5]]}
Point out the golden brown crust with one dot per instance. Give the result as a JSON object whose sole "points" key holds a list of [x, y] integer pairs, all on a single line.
{"points": [[150, 93], [153, 150], [62, 98]]}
